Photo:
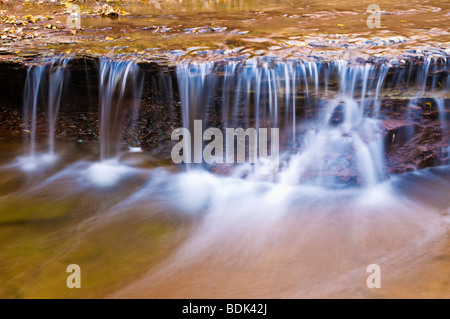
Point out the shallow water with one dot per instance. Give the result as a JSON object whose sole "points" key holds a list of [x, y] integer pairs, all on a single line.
{"points": [[259, 241], [139, 227], [155, 232]]}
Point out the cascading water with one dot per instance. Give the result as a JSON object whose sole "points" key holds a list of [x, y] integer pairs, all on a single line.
{"points": [[303, 234], [30, 103], [42, 79], [57, 78], [440, 104], [299, 232], [120, 89], [442, 114], [337, 135]]}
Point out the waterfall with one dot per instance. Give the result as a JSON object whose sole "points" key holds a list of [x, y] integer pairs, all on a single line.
{"points": [[43, 83], [120, 89], [329, 115], [440, 104], [30, 103], [56, 80]]}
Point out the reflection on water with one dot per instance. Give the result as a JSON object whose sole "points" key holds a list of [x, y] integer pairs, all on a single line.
{"points": [[155, 26], [148, 232]]}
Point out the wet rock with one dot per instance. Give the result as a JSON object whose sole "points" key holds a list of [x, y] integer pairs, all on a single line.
{"points": [[417, 146]]}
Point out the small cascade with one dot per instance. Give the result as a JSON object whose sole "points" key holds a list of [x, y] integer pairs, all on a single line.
{"points": [[329, 115], [57, 77], [30, 103], [344, 142], [442, 115], [44, 87], [120, 89]]}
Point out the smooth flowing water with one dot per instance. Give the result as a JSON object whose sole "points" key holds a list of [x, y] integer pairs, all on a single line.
{"points": [[44, 85], [309, 230], [115, 78], [329, 114]]}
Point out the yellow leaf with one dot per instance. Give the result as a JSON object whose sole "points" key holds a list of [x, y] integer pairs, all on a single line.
{"points": [[340, 25]]}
